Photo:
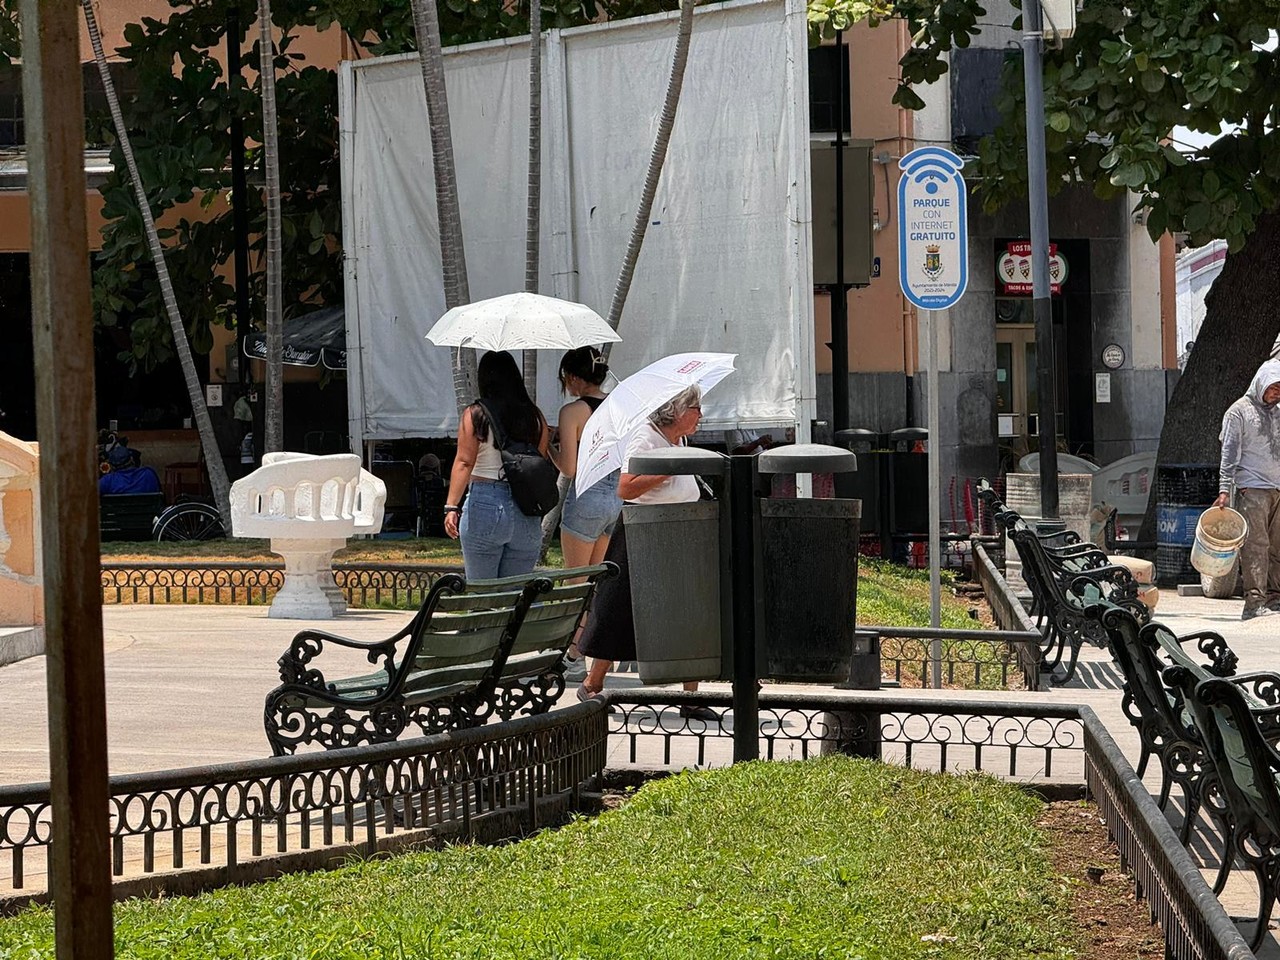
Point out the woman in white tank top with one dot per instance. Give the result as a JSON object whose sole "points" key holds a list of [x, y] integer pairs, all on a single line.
{"points": [[498, 539]]}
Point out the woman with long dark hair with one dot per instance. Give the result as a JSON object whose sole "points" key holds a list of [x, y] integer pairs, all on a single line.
{"points": [[498, 539]]}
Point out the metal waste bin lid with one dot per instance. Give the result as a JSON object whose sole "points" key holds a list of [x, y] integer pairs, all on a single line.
{"points": [[679, 461], [808, 458]]}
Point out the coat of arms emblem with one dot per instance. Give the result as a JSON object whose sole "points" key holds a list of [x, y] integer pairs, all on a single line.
{"points": [[933, 261]]}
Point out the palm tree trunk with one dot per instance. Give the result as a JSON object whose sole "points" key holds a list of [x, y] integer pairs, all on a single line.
{"points": [[426, 24], [199, 411], [534, 221], [656, 160], [273, 411]]}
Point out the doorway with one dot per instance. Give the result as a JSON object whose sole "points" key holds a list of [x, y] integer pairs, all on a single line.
{"points": [[1017, 403]]}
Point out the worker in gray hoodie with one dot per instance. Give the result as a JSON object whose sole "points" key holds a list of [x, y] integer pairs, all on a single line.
{"points": [[1251, 463]]}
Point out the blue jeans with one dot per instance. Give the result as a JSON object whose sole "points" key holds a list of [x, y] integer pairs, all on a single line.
{"points": [[498, 540]]}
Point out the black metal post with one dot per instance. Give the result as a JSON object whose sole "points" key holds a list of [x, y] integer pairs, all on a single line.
{"points": [[840, 292], [239, 201], [745, 572], [1042, 306]]}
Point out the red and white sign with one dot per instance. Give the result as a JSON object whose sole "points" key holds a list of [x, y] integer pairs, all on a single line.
{"points": [[1013, 268]]}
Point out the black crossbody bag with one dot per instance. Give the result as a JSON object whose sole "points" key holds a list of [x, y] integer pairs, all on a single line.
{"points": [[531, 476]]}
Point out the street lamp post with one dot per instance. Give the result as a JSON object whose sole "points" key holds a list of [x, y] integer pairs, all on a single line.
{"points": [[1042, 309]]}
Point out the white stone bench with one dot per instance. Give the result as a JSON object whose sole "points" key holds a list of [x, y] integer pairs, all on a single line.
{"points": [[307, 506], [21, 562]]}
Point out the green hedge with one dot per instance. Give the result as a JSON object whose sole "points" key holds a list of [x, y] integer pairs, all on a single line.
{"points": [[828, 858]]}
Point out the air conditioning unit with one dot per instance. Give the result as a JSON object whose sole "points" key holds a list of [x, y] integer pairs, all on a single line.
{"points": [[1059, 18]]}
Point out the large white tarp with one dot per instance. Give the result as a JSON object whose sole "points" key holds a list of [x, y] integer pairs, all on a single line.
{"points": [[725, 263]]}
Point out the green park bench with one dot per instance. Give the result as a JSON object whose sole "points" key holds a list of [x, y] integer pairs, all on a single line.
{"points": [[1165, 730], [473, 650], [129, 516], [1237, 718]]}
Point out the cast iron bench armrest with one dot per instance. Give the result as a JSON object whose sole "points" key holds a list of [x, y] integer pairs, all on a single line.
{"points": [[308, 644], [1261, 685], [1222, 659]]}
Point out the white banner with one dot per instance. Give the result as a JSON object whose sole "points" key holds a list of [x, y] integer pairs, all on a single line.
{"points": [[725, 263]]}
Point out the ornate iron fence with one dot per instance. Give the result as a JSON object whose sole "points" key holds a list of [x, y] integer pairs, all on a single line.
{"points": [[365, 584], [973, 659], [1025, 741], [317, 809], [180, 831]]}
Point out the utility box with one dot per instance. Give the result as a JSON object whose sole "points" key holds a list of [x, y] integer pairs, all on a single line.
{"points": [[859, 215]]}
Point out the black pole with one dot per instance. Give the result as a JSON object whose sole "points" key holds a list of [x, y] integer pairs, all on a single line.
{"points": [[840, 292], [239, 198], [1042, 306], [745, 570]]}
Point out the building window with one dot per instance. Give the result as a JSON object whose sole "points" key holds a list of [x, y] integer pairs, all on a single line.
{"points": [[825, 71], [97, 117], [975, 90], [10, 107]]}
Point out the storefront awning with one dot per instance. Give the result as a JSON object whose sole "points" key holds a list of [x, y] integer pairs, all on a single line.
{"points": [[309, 340]]}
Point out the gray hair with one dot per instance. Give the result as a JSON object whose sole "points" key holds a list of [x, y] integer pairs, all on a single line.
{"points": [[676, 407]]}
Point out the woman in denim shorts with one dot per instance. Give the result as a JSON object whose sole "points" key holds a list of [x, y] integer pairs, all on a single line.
{"points": [[587, 520]]}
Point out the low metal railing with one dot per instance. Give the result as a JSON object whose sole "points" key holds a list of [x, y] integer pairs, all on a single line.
{"points": [[974, 659], [180, 831], [365, 584]]}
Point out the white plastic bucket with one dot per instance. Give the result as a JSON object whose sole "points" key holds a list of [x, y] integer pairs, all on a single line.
{"points": [[1219, 533]]}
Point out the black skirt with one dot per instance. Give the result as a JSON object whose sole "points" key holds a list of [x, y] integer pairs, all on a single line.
{"points": [[610, 633]]}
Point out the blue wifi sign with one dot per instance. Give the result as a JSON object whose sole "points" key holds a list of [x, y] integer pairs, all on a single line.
{"points": [[933, 228]]}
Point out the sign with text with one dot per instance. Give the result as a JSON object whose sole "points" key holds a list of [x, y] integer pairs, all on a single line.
{"points": [[1013, 268], [933, 228]]}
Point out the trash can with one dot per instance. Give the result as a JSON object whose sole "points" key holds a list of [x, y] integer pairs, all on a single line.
{"points": [[810, 579], [674, 553], [673, 550], [809, 554], [908, 485], [1183, 492], [864, 483], [909, 480]]}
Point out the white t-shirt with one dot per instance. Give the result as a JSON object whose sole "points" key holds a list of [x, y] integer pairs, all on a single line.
{"points": [[680, 489]]}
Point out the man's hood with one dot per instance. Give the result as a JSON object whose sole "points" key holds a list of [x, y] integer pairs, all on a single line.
{"points": [[1267, 374]]}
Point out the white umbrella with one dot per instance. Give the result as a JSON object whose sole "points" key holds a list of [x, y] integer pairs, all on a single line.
{"points": [[604, 439], [521, 321]]}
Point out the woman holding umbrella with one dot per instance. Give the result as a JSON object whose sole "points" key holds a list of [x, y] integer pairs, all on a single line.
{"points": [[498, 539], [610, 633]]}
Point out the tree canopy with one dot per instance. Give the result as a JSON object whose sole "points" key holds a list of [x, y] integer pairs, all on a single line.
{"points": [[1116, 93]]}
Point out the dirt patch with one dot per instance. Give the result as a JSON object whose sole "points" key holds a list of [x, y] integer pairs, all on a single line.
{"points": [[1113, 924]]}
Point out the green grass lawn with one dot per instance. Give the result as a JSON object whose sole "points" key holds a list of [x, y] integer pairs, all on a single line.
{"points": [[891, 595], [828, 858]]}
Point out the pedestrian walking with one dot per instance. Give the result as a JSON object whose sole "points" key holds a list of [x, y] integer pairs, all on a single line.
{"points": [[498, 538], [1251, 464]]}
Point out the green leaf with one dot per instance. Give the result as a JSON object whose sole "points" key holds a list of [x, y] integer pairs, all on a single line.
{"points": [[1197, 217], [1060, 122]]}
